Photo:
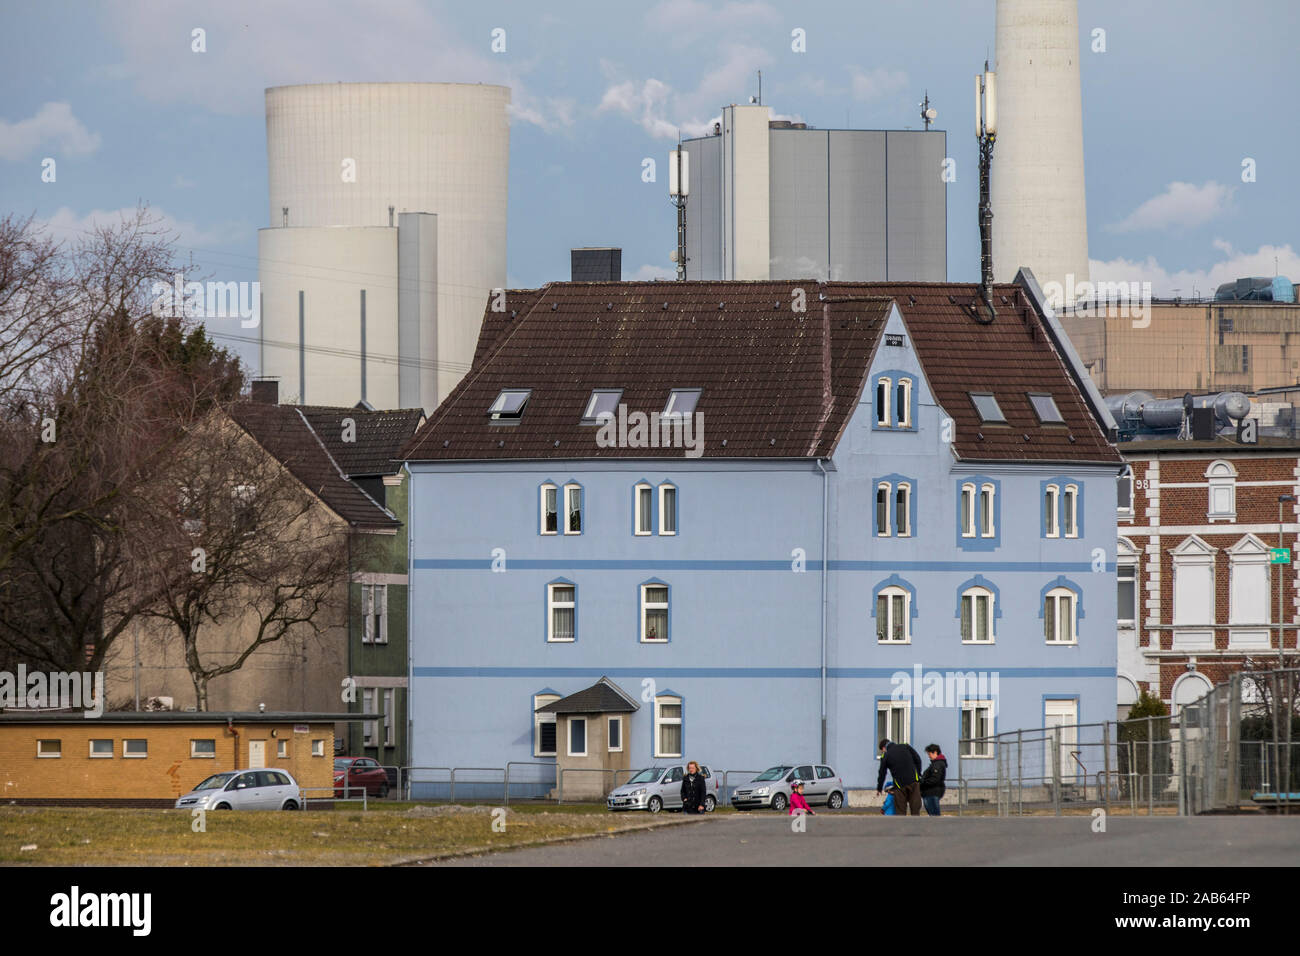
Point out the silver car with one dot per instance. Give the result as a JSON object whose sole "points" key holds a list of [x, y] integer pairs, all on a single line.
{"points": [[244, 790], [771, 788], [659, 788]]}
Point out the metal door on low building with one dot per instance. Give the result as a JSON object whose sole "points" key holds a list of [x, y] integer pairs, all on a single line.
{"points": [[257, 753]]}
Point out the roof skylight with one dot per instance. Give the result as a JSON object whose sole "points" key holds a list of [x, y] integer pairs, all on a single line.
{"points": [[1045, 408], [509, 405], [988, 407]]}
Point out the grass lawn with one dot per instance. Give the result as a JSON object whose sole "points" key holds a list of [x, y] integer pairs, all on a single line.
{"points": [[74, 836]]}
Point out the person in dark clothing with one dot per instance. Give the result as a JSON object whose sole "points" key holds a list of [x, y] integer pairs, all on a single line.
{"points": [[693, 788], [932, 787], [904, 764]]}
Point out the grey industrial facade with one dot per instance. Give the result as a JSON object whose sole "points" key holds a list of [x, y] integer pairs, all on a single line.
{"points": [[843, 204]]}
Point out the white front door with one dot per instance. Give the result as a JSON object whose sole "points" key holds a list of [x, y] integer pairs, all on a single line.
{"points": [[257, 753], [1062, 716]]}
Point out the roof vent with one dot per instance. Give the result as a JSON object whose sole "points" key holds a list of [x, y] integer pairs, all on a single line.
{"points": [[1071, 439], [513, 313], [911, 300], [771, 441], [557, 443], [554, 306], [665, 306], [721, 305], [724, 443], [1025, 436], [445, 443], [609, 306], [501, 444]]}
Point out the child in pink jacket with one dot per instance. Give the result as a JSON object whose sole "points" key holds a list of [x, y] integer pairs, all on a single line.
{"points": [[797, 803]]}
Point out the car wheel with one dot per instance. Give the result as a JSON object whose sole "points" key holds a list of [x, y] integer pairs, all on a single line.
{"points": [[710, 804], [654, 805], [383, 790], [836, 800], [290, 805], [223, 806], [779, 802]]}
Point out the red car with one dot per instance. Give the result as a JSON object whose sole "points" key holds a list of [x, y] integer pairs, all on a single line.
{"points": [[357, 773]]}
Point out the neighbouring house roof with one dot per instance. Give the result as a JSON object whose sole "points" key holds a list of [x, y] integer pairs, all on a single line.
{"points": [[602, 697], [379, 436], [285, 432], [79, 718], [774, 384]]}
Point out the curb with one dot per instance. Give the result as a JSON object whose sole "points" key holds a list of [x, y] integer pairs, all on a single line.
{"points": [[545, 841]]}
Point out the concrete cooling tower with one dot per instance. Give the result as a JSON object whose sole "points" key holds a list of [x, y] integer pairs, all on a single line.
{"points": [[387, 234], [1037, 189]]}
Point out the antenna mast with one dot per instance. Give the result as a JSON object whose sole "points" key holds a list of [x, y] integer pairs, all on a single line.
{"points": [[678, 190], [986, 131]]}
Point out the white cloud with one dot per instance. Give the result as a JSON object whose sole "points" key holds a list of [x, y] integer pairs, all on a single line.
{"points": [[649, 272], [65, 224], [876, 84], [1200, 282], [1181, 205], [694, 20], [54, 126]]}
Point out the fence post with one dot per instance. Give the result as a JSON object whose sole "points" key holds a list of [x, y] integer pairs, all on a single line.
{"points": [[505, 797], [1151, 763], [997, 783], [1234, 741], [1056, 769], [961, 780], [1020, 773], [452, 799], [559, 785], [1105, 746]]}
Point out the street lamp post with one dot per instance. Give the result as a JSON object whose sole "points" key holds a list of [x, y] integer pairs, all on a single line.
{"points": [[1281, 500]]}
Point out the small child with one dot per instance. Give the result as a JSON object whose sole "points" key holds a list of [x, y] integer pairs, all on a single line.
{"points": [[797, 803], [888, 808]]}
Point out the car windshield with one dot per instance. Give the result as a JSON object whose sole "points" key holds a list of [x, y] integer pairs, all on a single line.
{"points": [[215, 782], [773, 773], [649, 775], [342, 764]]}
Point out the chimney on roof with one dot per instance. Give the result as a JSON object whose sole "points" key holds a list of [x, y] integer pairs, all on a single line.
{"points": [[265, 391]]}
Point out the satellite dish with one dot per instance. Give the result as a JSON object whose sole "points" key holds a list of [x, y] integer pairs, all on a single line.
{"points": [[753, 99], [931, 113], [672, 256]]}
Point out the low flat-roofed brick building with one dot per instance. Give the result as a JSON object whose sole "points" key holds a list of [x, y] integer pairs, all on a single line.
{"points": [[148, 759]]}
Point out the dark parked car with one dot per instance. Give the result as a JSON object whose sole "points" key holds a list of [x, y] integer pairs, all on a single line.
{"points": [[358, 773]]}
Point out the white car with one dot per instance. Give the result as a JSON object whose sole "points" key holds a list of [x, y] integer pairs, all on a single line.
{"points": [[658, 788], [244, 790]]}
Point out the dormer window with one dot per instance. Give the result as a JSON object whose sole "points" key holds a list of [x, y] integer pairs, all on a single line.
{"points": [[990, 411], [603, 403], [509, 405], [681, 402], [1045, 408]]}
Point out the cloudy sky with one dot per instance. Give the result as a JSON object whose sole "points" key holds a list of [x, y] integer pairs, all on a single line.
{"points": [[1184, 93]]}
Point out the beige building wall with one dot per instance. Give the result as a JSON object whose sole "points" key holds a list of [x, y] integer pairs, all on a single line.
{"points": [[746, 178], [1190, 347]]}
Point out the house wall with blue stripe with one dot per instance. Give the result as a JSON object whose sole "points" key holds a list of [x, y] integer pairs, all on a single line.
{"points": [[745, 576]]}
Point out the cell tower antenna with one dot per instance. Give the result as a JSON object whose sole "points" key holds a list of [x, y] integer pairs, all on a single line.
{"points": [[928, 113]]}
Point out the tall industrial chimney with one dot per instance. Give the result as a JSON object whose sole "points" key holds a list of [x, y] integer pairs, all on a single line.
{"points": [[1038, 190]]}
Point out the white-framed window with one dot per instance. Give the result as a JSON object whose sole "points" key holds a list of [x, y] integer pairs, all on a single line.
{"points": [[1124, 493], [102, 747], [893, 615], [882, 509], [1060, 607], [903, 510], [976, 728], [550, 509], [668, 508], [282, 749], [668, 726], [643, 502], [988, 511], [1222, 479], [614, 734], [882, 402], [544, 742], [1250, 593], [1070, 511], [561, 613], [374, 613], [1126, 597], [318, 747], [204, 747], [371, 728], [577, 736], [135, 747], [1194, 593], [903, 393], [894, 720], [49, 748], [654, 612], [1050, 500], [968, 510], [390, 716], [977, 616], [573, 509]]}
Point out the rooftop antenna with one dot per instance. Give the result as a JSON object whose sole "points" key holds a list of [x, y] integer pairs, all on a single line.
{"points": [[986, 131], [927, 112], [758, 100], [678, 190]]}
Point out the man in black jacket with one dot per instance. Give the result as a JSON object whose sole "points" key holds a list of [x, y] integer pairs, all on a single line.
{"points": [[904, 764], [932, 787]]}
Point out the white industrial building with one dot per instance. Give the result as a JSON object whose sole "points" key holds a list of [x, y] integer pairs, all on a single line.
{"points": [[387, 234], [1037, 192], [778, 200]]}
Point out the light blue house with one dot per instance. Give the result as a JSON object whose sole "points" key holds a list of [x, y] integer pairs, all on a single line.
{"points": [[886, 518]]}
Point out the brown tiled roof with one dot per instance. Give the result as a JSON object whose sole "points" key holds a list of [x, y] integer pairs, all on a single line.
{"points": [[762, 369], [286, 434], [379, 436], [1009, 357]]}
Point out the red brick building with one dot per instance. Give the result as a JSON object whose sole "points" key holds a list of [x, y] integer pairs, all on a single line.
{"points": [[1198, 596]]}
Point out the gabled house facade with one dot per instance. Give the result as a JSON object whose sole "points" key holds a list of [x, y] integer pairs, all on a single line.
{"points": [[789, 518]]}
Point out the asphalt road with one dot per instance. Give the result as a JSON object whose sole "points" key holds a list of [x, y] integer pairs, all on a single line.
{"points": [[766, 839]]}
